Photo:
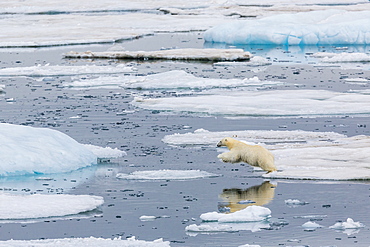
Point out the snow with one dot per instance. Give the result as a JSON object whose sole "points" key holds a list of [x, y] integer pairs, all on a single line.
{"points": [[172, 54], [298, 154], [249, 214], [63, 70], [274, 103], [21, 207], [166, 175], [28, 150], [165, 80], [84, 242], [325, 27]]}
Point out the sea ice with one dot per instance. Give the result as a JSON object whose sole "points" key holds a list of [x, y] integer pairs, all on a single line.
{"points": [[172, 54], [105, 153], [166, 175], [295, 202], [343, 57], [309, 225], [86, 242], [274, 103], [207, 228], [22, 207], [249, 214], [28, 150], [63, 70], [165, 81], [298, 154], [326, 27]]}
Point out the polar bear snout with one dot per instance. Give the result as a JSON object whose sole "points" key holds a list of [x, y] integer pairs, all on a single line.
{"points": [[219, 144]]}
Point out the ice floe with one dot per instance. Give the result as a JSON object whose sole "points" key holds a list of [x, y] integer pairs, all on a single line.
{"points": [[299, 154], [295, 202], [166, 175], [172, 54], [105, 153], [249, 214], [64, 70], [166, 80], [33, 207], [344, 57], [28, 150], [311, 226], [309, 28], [349, 224], [274, 103], [87, 242]]}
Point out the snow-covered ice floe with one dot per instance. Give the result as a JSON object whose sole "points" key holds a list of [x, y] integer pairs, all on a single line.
{"points": [[63, 70], [349, 224], [274, 103], [344, 57], [86, 242], [15, 208], [252, 218], [299, 154], [28, 150], [311, 226], [166, 80], [172, 54], [166, 175], [326, 27]]}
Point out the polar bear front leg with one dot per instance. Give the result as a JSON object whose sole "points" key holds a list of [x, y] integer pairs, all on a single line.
{"points": [[229, 157]]}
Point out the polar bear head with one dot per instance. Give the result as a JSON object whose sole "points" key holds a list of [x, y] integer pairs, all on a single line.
{"points": [[226, 142]]}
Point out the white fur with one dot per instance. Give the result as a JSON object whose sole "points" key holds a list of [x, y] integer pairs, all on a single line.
{"points": [[254, 155]]}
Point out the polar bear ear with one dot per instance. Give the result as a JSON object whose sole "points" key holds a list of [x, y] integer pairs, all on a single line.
{"points": [[225, 139]]}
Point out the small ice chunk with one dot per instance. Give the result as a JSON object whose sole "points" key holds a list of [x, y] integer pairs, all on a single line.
{"points": [[209, 228], [349, 224], [147, 218], [295, 202], [166, 175], [309, 225]]}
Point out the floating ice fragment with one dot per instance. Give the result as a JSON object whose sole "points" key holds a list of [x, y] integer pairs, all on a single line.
{"points": [[147, 218], [21, 207], [86, 242], [166, 175], [295, 202], [249, 214], [349, 224], [209, 228], [309, 225], [105, 153], [173, 54]]}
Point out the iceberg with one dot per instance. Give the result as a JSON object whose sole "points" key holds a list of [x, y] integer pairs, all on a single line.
{"points": [[27, 150], [327, 27], [23, 207], [166, 175], [87, 242]]}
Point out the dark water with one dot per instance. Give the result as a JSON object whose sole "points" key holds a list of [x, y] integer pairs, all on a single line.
{"points": [[46, 104]]}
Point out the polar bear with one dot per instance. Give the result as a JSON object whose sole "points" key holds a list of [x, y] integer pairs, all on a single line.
{"points": [[254, 155]]}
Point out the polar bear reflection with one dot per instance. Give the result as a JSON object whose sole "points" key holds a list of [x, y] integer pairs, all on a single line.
{"points": [[237, 199]]}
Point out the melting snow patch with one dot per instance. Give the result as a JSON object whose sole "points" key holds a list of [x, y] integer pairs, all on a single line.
{"points": [[174, 54], [22, 207], [87, 242], [307, 28], [166, 175], [28, 150]]}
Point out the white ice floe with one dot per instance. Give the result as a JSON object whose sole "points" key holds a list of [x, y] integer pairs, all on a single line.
{"points": [[307, 28], [295, 202], [349, 224], [147, 217], [310, 225], [274, 103], [86, 242], [104, 153], [28, 150], [344, 57], [298, 154], [249, 214], [207, 228], [166, 175], [166, 80], [205, 137], [172, 54], [26, 207], [64, 70]]}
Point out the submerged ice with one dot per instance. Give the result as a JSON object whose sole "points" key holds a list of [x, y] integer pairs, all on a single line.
{"points": [[166, 175], [326, 27]]}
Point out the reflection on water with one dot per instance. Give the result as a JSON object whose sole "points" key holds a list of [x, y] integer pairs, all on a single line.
{"points": [[237, 199]]}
